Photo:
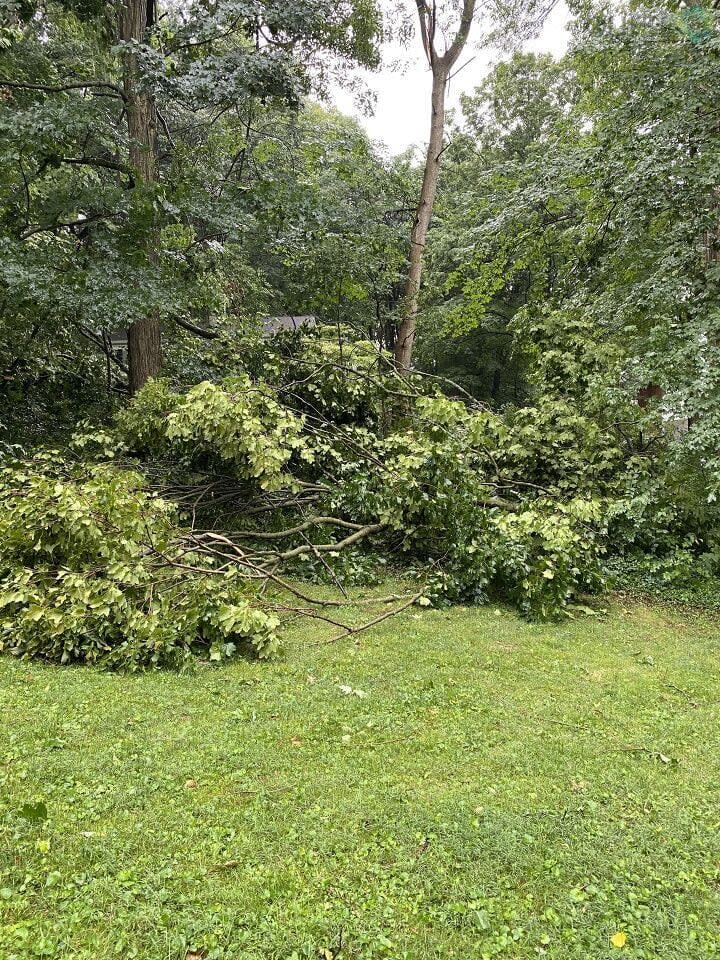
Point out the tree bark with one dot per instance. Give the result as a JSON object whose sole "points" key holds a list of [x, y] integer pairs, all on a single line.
{"points": [[406, 331], [440, 65], [144, 340]]}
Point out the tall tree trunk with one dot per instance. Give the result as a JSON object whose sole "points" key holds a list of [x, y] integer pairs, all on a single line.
{"points": [[144, 341], [440, 65], [406, 331]]}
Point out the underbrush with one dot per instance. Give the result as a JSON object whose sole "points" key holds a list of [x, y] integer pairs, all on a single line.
{"points": [[659, 580]]}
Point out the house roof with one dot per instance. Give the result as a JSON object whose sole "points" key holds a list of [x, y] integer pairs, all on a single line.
{"points": [[274, 325], [270, 327]]}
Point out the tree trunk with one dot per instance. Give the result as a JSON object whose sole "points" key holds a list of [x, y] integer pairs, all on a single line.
{"points": [[144, 341], [440, 65], [418, 238], [144, 352]]}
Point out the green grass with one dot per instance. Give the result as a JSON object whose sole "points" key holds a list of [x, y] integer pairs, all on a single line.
{"points": [[502, 789]]}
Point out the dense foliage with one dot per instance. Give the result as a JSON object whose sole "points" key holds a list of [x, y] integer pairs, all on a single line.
{"points": [[90, 571], [580, 226], [248, 213], [101, 562], [561, 426]]}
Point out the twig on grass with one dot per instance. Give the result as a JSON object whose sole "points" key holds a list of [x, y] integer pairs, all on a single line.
{"points": [[351, 631]]}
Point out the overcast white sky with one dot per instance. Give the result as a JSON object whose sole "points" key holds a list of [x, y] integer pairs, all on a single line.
{"points": [[401, 117]]}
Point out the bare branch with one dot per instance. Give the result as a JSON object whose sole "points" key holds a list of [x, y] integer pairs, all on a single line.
{"points": [[97, 162], [424, 16], [198, 331], [312, 522], [351, 631], [451, 55], [101, 341]]}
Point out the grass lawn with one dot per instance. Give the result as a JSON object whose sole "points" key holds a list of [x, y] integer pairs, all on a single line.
{"points": [[460, 784]]}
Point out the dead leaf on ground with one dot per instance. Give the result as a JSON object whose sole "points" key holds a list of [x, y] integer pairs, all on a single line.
{"points": [[228, 865]]}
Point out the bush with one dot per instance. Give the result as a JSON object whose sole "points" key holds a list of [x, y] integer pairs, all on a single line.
{"points": [[681, 579]]}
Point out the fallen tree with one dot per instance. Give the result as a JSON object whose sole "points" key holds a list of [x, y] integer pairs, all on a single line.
{"points": [[198, 523]]}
